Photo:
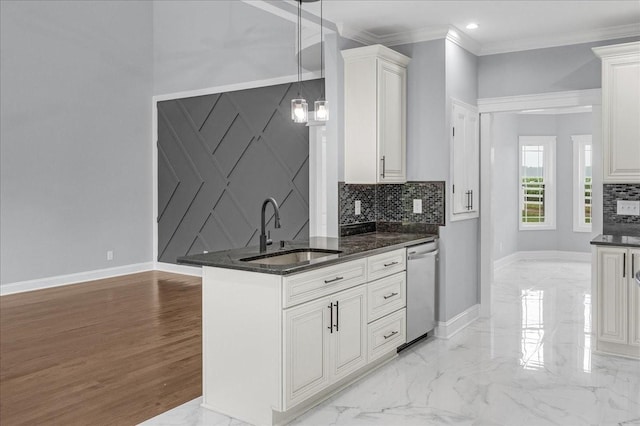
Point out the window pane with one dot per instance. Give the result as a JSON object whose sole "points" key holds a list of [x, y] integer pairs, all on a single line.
{"points": [[533, 183], [587, 183]]}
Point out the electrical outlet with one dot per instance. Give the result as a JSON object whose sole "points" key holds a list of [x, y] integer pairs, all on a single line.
{"points": [[628, 208], [358, 207], [109, 254], [417, 206]]}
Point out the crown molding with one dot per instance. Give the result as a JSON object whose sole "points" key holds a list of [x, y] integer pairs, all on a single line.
{"points": [[571, 98], [542, 42], [357, 34], [630, 49], [458, 37]]}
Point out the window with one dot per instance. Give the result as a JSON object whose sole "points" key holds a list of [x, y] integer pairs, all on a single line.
{"points": [[582, 156], [537, 182]]}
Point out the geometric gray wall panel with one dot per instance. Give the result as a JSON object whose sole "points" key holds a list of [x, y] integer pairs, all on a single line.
{"points": [[219, 157]]}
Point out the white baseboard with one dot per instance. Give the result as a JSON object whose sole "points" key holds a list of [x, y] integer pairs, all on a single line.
{"points": [[446, 330], [80, 277], [194, 271], [567, 256]]}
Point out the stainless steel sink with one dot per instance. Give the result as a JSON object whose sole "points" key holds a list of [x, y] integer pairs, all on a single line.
{"points": [[291, 257]]}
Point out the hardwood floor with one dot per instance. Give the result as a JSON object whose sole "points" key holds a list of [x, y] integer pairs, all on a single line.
{"points": [[115, 351]]}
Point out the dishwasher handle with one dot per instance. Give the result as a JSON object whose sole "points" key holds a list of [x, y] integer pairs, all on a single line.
{"points": [[422, 255]]}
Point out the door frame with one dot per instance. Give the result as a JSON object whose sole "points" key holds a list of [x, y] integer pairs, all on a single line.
{"points": [[489, 106]]}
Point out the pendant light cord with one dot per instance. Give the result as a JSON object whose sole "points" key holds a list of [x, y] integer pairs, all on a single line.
{"points": [[299, 46], [321, 53]]}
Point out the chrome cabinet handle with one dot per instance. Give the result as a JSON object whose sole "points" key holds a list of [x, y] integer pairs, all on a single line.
{"points": [[331, 317], [390, 335], [624, 265], [333, 280], [384, 165], [390, 264], [337, 315], [388, 296]]}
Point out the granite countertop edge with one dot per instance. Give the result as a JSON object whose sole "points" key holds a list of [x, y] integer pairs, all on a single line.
{"points": [[618, 240], [351, 247]]}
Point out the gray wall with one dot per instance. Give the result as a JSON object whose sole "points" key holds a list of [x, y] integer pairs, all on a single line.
{"points": [[201, 44], [220, 156], [75, 136], [438, 71], [507, 128], [552, 69]]}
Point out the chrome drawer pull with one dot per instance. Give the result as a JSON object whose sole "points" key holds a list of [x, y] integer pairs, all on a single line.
{"points": [[390, 335], [390, 295], [333, 280], [390, 264]]}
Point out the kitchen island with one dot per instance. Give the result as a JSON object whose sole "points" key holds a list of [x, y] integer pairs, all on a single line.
{"points": [[280, 338]]}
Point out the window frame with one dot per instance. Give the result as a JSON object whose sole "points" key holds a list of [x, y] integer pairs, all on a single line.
{"points": [[579, 143], [549, 176]]}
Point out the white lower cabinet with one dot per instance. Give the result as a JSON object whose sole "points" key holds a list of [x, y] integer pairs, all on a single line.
{"points": [[618, 301], [274, 346], [325, 340]]}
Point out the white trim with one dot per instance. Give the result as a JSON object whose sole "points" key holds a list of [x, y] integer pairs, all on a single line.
{"points": [[549, 179], [555, 255], [579, 144], [571, 98], [236, 86], [486, 214], [194, 271], [619, 50], [541, 41], [77, 278], [448, 329]]}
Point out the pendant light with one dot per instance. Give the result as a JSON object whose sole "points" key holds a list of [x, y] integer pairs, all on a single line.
{"points": [[299, 108], [321, 106]]}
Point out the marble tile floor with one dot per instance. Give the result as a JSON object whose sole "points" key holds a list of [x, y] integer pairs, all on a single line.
{"points": [[529, 364]]}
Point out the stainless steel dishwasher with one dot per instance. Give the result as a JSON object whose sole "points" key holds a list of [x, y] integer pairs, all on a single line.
{"points": [[422, 273]]}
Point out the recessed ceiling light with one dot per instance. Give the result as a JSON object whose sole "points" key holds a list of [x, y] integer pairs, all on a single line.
{"points": [[472, 26]]}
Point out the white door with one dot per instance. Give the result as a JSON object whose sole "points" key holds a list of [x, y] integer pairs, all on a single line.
{"points": [[634, 299], [612, 295], [465, 161], [306, 348], [348, 344], [391, 122]]}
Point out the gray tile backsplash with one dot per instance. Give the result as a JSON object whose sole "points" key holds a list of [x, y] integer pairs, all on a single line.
{"points": [[392, 203], [619, 191]]}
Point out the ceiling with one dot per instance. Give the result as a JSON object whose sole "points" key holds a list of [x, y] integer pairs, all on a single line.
{"points": [[504, 26]]}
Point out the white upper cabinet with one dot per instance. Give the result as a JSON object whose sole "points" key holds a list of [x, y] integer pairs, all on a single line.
{"points": [[465, 161], [375, 90], [621, 112]]}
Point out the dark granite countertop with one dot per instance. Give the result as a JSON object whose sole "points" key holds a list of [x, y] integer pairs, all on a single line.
{"points": [[350, 247], [616, 240]]}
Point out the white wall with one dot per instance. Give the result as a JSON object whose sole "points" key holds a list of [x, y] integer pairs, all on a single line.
{"points": [[76, 81], [505, 184]]}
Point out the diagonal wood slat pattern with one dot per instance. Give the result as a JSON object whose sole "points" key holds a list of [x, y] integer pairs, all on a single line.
{"points": [[219, 157]]}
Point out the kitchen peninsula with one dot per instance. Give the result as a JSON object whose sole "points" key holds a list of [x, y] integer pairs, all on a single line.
{"points": [[280, 337]]}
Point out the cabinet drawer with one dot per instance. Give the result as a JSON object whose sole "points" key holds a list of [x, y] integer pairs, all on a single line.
{"points": [[386, 295], [321, 282], [385, 264], [386, 334]]}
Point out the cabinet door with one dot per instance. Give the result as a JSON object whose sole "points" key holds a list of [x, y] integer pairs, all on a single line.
{"points": [[391, 122], [612, 295], [465, 161], [621, 108], [634, 299], [306, 345], [349, 344]]}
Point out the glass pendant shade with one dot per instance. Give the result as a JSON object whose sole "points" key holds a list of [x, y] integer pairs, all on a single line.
{"points": [[299, 111], [321, 110]]}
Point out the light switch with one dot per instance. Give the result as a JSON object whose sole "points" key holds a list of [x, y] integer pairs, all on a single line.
{"points": [[417, 206], [358, 207], [628, 208]]}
